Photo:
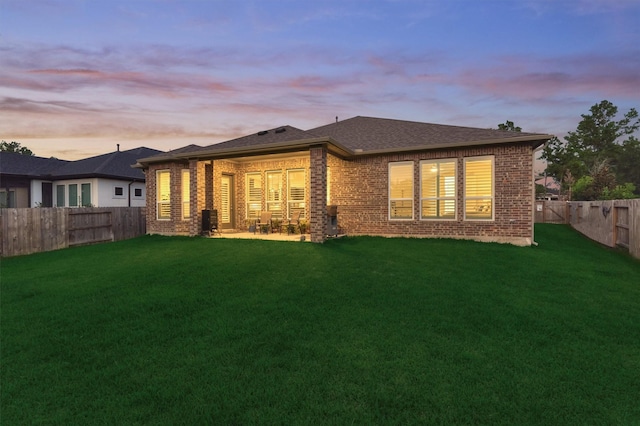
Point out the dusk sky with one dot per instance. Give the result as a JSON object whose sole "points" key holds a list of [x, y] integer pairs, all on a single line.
{"points": [[77, 77]]}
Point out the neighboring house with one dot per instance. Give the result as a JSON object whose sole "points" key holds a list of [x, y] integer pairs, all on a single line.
{"points": [[103, 181], [387, 177]]}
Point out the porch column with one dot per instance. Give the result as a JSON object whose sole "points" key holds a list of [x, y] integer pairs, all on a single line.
{"points": [[196, 196], [318, 196]]}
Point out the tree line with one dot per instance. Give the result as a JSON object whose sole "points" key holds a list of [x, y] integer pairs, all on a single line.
{"points": [[600, 160]]}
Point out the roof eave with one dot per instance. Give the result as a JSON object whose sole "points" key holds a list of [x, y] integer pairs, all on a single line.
{"points": [[273, 148]]}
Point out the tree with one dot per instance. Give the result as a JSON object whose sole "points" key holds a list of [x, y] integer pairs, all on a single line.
{"points": [[596, 141], [508, 125], [15, 147], [628, 163]]}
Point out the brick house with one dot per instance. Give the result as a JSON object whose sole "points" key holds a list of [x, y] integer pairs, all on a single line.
{"points": [[387, 177]]}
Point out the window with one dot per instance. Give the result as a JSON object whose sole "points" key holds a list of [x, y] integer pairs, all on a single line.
{"points": [[85, 189], [137, 192], [60, 192], [274, 194], [73, 195], [478, 188], [401, 190], [438, 189], [186, 209], [118, 191], [163, 194], [7, 199], [254, 195], [296, 198]]}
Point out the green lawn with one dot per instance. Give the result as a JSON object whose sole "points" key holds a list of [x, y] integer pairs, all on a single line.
{"points": [[160, 330]]}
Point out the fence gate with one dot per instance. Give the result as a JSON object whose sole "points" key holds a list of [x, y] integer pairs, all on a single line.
{"points": [[551, 212], [621, 230], [88, 227]]}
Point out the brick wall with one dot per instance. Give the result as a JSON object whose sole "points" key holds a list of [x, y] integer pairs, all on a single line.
{"points": [[360, 189], [176, 225]]}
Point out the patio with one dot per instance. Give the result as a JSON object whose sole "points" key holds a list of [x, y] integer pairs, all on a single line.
{"points": [[275, 236]]}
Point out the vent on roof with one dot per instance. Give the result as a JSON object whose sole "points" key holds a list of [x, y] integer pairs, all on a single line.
{"points": [[264, 132], [281, 130]]}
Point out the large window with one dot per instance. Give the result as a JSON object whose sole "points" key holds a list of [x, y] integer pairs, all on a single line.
{"points": [[60, 193], [296, 199], [478, 188], [254, 195], [186, 195], [438, 189], [401, 190], [163, 194]]}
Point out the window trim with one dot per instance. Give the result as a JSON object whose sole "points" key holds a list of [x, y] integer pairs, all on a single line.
{"points": [[454, 198], [493, 188], [158, 189], [413, 190]]}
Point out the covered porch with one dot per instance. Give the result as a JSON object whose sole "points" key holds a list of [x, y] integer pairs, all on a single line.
{"points": [[240, 187]]}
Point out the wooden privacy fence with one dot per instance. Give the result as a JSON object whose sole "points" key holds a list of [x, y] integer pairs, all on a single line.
{"points": [[551, 211], [615, 223], [26, 231]]}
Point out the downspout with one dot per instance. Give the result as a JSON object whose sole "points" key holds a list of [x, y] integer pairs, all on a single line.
{"points": [[129, 192], [533, 195]]}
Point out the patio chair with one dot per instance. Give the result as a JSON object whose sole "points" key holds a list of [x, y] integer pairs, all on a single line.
{"points": [[263, 224], [293, 223]]}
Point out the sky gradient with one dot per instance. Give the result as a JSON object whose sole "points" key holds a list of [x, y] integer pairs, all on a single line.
{"points": [[79, 76]]}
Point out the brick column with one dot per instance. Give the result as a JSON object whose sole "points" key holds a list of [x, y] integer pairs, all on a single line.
{"points": [[208, 185], [318, 196], [196, 196]]}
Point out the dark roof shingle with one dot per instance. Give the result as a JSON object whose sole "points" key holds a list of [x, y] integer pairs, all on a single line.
{"points": [[375, 134]]}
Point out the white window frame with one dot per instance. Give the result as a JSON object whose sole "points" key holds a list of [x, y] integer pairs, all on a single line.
{"points": [[470, 198], [426, 166], [185, 180], [294, 204], [255, 197], [159, 201], [410, 197]]}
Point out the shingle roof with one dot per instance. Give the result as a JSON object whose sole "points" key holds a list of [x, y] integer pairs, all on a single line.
{"points": [[15, 164], [280, 134], [377, 134], [115, 165], [355, 136]]}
